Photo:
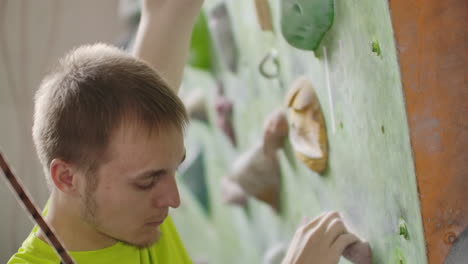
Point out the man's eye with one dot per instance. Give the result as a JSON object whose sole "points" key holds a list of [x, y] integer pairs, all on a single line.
{"points": [[145, 186]]}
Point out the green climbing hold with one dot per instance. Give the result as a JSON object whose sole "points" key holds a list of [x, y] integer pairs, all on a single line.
{"points": [[305, 22], [397, 257], [376, 48], [199, 55], [403, 229]]}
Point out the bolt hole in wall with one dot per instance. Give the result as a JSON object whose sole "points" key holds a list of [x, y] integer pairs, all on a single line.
{"points": [[458, 252]]}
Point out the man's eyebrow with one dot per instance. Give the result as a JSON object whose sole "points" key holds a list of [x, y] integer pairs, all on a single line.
{"points": [[155, 173], [149, 174]]}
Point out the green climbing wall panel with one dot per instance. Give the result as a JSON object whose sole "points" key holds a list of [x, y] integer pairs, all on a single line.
{"points": [[370, 177]]}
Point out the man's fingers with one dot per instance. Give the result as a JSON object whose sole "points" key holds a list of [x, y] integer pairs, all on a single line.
{"points": [[343, 241], [326, 219], [334, 230], [306, 225]]}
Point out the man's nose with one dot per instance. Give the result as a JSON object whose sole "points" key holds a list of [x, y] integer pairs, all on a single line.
{"points": [[168, 194]]}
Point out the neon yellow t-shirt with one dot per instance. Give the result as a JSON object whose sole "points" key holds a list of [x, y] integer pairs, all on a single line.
{"points": [[169, 249]]}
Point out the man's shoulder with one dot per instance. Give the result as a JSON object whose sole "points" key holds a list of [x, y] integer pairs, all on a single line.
{"points": [[24, 258], [34, 250], [168, 250]]}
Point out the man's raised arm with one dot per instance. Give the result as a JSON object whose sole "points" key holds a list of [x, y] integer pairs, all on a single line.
{"points": [[164, 35]]}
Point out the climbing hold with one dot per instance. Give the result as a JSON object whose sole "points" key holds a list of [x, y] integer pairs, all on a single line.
{"points": [[223, 38], [257, 171], [297, 8], [376, 47], [275, 131], [403, 229], [358, 253], [258, 174], [397, 257], [195, 103], [305, 22], [264, 15], [232, 193], [308, 133], [224, 114], [199, 53]]}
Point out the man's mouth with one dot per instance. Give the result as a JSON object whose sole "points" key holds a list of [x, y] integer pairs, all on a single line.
{"points": [[155, 224], [156, 221]]}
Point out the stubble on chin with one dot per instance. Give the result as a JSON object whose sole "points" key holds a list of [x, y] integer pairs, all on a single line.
{"points": [[89, 214], [147, 243]]}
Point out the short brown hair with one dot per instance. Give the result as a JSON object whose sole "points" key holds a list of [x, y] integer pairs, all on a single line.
{"points": [[94, 88]]}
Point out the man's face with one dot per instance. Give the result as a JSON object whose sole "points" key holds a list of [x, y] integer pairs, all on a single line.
{"points": [[136, 186]]}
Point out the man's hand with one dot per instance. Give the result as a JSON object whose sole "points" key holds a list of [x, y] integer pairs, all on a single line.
{"points": [[164, 35], [320, 241]]}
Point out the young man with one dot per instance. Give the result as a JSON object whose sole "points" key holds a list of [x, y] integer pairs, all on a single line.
{"points": [[108, 129]]}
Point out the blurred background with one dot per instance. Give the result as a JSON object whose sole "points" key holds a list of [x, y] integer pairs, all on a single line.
{"points": [[33, 36]]}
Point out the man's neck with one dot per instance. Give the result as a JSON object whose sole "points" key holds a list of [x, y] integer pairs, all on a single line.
{"points": [[72, 231]]}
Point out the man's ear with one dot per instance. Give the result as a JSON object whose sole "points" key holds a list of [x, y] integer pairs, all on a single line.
{"points": [[63, 176]]}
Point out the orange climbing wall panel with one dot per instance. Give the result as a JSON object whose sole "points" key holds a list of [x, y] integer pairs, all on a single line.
{"points": [[431, 38]]}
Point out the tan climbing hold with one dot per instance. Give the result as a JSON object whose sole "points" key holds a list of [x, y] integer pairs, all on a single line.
{"points": [[258, 175], [308, 133], [275, 131], [196, 105], [256, 172], [232, 193], [264, 15]]}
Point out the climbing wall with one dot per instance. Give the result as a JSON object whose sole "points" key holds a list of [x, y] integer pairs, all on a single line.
{"points": [[370, 177]]}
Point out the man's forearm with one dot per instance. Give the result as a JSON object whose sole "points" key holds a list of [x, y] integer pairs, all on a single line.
{"points": [[164, 35]]}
